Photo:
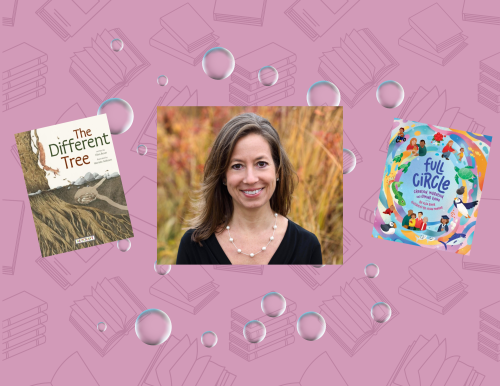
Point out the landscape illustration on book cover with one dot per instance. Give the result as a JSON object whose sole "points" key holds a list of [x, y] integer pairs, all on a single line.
{"points": [[432, 186], [74, 185]]}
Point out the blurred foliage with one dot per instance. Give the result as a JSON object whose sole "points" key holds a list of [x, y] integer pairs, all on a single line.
{"points": [[312, 138]]}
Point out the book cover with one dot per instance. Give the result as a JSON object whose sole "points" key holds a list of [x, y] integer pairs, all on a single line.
{"points": [[431, 186], [71, 172]]}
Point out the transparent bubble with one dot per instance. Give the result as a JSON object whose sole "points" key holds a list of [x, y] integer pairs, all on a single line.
{"points": [[142, 149], [162, 269], [209, 339], [162, 80], [349, 161], [218, 63], [123, 245], [323, 93], [381, 312], [268, 76], [119, 113], [153, 327], [311, 326], [390, 94], [101, 326], [319, 266], [273, 304], [116, 45], [254, 331], [372, 271]]}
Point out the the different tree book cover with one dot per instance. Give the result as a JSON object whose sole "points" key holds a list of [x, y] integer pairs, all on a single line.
{"points": [[74, 185], [432, 186]]}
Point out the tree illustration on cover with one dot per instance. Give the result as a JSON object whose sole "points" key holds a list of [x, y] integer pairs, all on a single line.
{"points": [[432, 186], [89, 211]]}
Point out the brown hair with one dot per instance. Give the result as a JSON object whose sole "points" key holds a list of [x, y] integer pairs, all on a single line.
{"points": [[213, 208]]}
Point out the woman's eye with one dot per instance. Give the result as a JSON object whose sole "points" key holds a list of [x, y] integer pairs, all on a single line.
{"points": [[258, 163]]}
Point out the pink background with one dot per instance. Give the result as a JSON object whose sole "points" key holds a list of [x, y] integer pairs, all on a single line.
{"points": [[366, 124]]}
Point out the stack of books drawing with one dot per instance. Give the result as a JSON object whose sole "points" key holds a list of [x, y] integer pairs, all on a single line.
{"points": [[481, 11], [279, 330], [184, 35], [434, 35], [23, 324], [426, 362], [434, 284], [358, 65], [102, 72], [176, 363], [240, 11], [247, 90], [489, 336], [173, 97], [22, 76], [354, 304], [10, 8], [489, 88], [110, 302], [312, 276], [252, 269], [189, 288], [430, 106]]}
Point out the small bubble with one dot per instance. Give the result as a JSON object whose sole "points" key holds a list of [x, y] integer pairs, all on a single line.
{"points": [[123, 245], [254, 331], [273, 304], [311, 326], [390, 94], [119, 113], [162, 269], [349, 161], [218, 63], [116, 45], [101, 327], [323, 93], [162, 80], [142, 149], [209, 339], [372, 271], [381, 312], [153, 327], [268, 76]]}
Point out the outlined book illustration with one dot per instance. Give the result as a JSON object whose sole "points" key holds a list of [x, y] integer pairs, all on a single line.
{"points": [[350, 246], [431, 107], [73, 368], [357, 65], [315, 17], [432, 185], [143, 189], [251, 269], [321, 371], [10, 9], [190, 289], [240, 11], [315, 277], [427, 362], [348, 315], [271, 54], [74, 186], [434, 284], [184, 35], [279, 330], [102, 72], [481, 11], [177, 362], [22, 76], [489, 336], [489, 88], [22, 324], [66, 18], [255, 84], [14, 211], [111, 302]]}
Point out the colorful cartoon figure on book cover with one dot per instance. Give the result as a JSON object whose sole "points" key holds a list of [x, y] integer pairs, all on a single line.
{"points": [[432, 186], [74, 185]]}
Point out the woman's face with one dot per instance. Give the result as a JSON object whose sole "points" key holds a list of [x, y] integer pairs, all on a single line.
{"points": [[251, 168], [413, 141]]}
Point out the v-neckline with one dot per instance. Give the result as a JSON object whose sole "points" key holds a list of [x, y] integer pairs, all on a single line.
{"points": [[226, 259]]}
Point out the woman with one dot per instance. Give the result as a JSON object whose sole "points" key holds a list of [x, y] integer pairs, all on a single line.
{"points": [[245, 196], [447, 150], [413, 143]]}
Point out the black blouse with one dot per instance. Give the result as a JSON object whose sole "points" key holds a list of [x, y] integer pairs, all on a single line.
{"points": [[298, 246]]}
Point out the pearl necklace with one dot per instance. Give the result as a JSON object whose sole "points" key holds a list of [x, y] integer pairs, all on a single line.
{"points": [[263, 248]]}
